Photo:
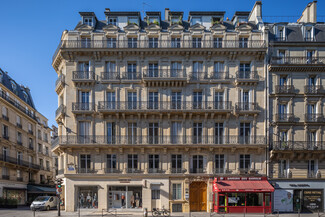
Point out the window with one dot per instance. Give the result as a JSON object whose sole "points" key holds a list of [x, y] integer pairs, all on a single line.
{"points": [[153, 133], [312, 80], [176, 69], [153, 42], [218, 132], [84, 132], [217, 42], [196, 20], [154, 20], [19, 157], [282, 57], [312, 168], [5, 113], [245, 100], [48, 165], [5, 153], [243, 42], [153, 163], [13, 86], [153, 70], [197, 164], [310, 56], [85, 42], [132, 100], [197, 100], [176, 20], [283, 168], [196, 42], [218, 70], [245, 161], [84, 67], [197, 133], [39, 134], [88, 21], [176, 132], [84, 101], [110, 100], [132, 42], [197, 70], [176, 100], [30, 142], [153, 100], [245, 132], [111, 42], [244, 70], [312, 140], [132, 71], [283, 80], [219, 100], [283, 140], [112, 20], [46, 150], [176, 42], [19, 138], [5, 171], [309, 33], [177, 163], [40, 148], [281, 33], [219, 163], [85, 163], [45, 137], [111, 133], [5, 132], [111, 162], [177, 191], [283, 110], [155, 194], [29, 127], [133, 20], [132, 133], [132, 162]]}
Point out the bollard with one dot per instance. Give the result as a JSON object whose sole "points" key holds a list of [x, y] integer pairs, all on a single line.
{"points": [[102, 212], [278, 213], [145, 212], [34, 212], [299, 212]]}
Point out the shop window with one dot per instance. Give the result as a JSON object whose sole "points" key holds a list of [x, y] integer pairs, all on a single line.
{"points": [[177, 207], [236, 199], [254, 199], [88, 197], [177, 191], [155, 194], [125, 197]]}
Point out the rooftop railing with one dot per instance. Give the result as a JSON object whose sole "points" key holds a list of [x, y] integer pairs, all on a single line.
{"points": [[297, 145]]}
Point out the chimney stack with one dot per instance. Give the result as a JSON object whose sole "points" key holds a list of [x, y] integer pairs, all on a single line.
{"points": [[107, 10], [309, 15], [166, 14]]}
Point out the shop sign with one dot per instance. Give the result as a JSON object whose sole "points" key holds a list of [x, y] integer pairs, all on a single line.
{"points": [[283, 200], [187, 195], [299, 185], [70, 167], [233, 199], [313, 199]]}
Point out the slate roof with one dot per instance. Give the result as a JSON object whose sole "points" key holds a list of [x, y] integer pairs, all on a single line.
{"points": [[20, 90]]}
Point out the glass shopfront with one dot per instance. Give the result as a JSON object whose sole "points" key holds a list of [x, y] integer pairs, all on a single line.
{"points": [[88, 197], [122, 197], [18, 194]]}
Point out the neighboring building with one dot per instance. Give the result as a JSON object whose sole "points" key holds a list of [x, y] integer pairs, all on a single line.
{"points": [[151, 111], [25, 169], [297, 97]]}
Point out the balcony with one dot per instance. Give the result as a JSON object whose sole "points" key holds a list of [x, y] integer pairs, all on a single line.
{"points": [[19, 162], [297, 146], [5, 177], [164, 77], [246, 107], [247, 77], [20, 179], [59, 84], [83, 77], [31, 132], [60, 112], [86, 170], [130, 76], [19, 125], [134, 170], [284, 89], [286, 117], [31, 147], [6, 137], [197, 170], [13, 101], [5, 117], [208, 140], [314, 89], [298, 60], [222, 75], [165, 107], [144, 44], [82, 108], [19, 143], [178, 170], [314, 118], [155, 170], [198, 76], [112, 170], [109, 77]]}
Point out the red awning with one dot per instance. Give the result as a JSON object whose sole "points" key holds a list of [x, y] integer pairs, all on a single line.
{"points": [[243, 186]]}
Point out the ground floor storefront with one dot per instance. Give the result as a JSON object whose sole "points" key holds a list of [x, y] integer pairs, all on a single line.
{"points": [[242, 195], [14, 191], [305, 196]]}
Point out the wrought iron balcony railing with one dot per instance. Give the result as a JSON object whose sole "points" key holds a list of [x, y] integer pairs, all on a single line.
{"points": [[285, 117], [246, 106], [138, 44], [5, 177], [130, 76], [178, 170], [284, 89], [314, 89], [82, 107], [163, 106], [60, 110], [247, 75], [134, 170], [112, 170], [5, 117], [83, 76], [315, 117], [162, 140], [297, 145], [86, 170], [156, 170], [164, 73], [19, 162], [110, 76], [297, 60], [197, 170], [60, 80]]}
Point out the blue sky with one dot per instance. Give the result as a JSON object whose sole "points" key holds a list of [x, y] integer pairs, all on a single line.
{"points": [[31, 30]]}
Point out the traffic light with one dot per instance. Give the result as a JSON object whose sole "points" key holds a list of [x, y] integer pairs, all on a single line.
{"points": [[59, 185]]}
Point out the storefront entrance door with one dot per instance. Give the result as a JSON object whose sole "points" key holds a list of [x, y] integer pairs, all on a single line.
{"points": [[198, 196]]}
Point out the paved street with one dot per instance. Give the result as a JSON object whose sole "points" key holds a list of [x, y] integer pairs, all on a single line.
{"points": [[25, 212]]}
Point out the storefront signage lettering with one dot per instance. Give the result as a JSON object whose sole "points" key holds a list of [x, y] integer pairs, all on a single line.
{"points": [[187, 195], [241, 178], [299, 185], [70, 167], [233, 199], [313, 200]]}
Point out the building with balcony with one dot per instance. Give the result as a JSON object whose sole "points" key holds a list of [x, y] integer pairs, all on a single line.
{"points": [[151, 110], [23, 131], [296, 71]]}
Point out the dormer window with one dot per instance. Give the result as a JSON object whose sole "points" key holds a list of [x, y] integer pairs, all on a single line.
{"points": [[241, 20], [88, 21], [196, 20], [154, 20], [216, 20], [25, 96], [13, 86], [309, 33], [176, 20], [281, 33], [112, 20], [133, 20]]}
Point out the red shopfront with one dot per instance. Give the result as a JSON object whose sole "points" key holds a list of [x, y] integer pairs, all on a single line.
{"points": [[242, 195]]}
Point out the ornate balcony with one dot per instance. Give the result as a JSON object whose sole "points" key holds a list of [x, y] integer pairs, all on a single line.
{"points": [[86, 170], [83, 77], [178, 170], [59, 84], [298, 60], [246, 108], [130, 76], [297, 146], [285, 117], [198, 170], [112, 170], [284, 89], [155, 170], [164, 106], [60, 112], [164, 77], [19, 162], [109, 77], [314, 118], [82, 108], [247, 77], [314, 89]]}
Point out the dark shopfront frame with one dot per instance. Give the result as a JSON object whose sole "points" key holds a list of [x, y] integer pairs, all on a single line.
{"points": [[246, 196]]}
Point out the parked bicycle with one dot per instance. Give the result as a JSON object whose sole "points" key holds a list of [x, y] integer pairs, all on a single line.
{"points": [[163, 212]]}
